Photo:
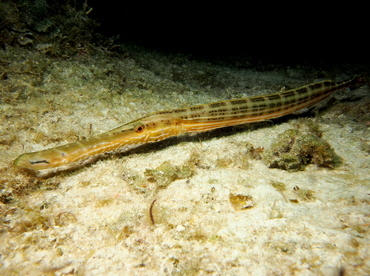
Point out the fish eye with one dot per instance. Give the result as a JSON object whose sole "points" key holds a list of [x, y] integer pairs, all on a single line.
{"points": [[139, 128]]}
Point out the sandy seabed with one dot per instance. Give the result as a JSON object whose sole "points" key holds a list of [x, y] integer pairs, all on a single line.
{"points": [[218, 209]]}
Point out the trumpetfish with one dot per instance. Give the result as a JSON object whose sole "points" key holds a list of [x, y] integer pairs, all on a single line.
{"points": [[200, 118]]}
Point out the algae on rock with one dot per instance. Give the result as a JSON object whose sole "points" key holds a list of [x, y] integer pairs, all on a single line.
{"points": [[294, 150]]}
